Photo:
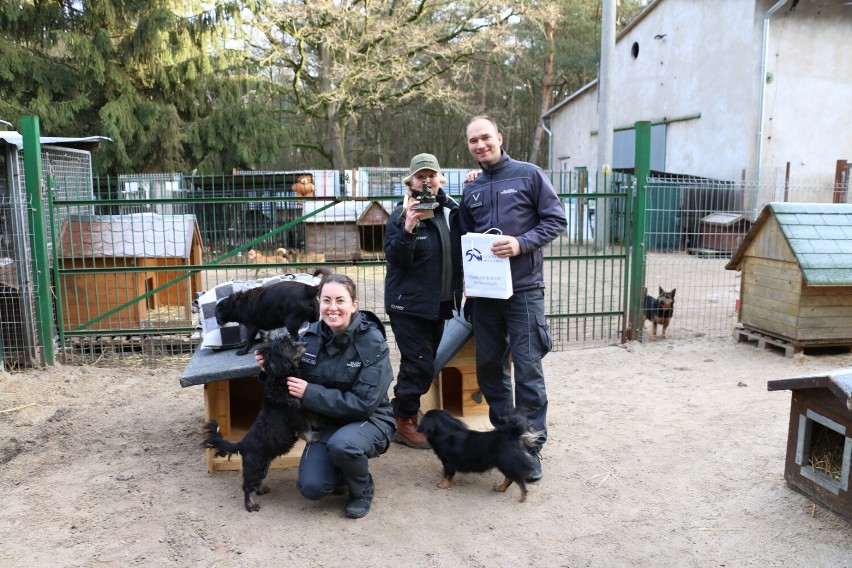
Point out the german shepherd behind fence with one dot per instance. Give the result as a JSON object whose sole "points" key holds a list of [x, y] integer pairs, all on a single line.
{"points": [[659, 311]]}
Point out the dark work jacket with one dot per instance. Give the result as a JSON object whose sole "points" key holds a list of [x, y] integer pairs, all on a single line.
{"points": [[414, 261], [349, 373], [517, 198]]}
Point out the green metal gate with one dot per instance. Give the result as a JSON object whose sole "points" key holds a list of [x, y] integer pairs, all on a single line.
{"points": [[587, 268]]}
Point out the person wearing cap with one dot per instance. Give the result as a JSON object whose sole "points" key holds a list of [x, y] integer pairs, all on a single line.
{"points": [[422, 287], [517, 198]]}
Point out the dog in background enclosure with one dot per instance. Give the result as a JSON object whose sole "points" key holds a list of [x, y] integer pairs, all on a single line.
{"points": [[257, 257], [659, 311], [278, 425]]}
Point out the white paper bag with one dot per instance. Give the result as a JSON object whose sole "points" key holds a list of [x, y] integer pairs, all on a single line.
{"points": [[485, 275]]}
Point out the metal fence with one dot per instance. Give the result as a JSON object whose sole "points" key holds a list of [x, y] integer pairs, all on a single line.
{"points": [[127, 274], [693, 227], [133, 256]]}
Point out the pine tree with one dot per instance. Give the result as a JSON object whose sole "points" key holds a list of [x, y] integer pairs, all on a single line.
{"points": [[158, 77]]}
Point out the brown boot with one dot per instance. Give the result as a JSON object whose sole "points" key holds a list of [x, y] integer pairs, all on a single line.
{"points": [[406, 433]]}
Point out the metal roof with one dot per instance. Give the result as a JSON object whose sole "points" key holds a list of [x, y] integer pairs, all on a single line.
{"points": [[819, 236], [17, 139], [140, 235], [348, 210], [838, 381]]}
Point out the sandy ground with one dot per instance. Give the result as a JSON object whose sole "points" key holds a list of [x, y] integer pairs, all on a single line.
{"points": [[661, 454]]}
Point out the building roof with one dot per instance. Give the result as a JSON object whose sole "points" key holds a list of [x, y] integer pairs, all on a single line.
{"points": [[819, 236], [722, 219], [17, 139], [140, 235], [838, 381], [348, 210]]}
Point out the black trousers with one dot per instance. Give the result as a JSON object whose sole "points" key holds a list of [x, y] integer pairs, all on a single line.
{"points": [[417, 340]]}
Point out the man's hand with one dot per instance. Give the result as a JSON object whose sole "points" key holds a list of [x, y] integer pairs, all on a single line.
{"points": [[506, 247]]}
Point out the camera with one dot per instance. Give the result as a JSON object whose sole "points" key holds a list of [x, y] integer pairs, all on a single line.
{"points": [[425, 197]]}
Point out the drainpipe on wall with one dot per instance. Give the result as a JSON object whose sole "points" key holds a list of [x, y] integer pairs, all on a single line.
{"points": [[549, 143], [764, 55]]}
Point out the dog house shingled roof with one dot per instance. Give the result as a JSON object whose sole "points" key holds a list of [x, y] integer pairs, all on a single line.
{"points": [[140, 235], [819, 236]]}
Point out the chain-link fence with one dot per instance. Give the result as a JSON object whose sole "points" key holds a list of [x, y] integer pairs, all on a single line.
{"points": [[693, 226]]}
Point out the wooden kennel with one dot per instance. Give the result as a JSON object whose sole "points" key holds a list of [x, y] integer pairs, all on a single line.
{"points": [[138, 246], [232, 397], [456, 388], [819, 438], [796, 264]]}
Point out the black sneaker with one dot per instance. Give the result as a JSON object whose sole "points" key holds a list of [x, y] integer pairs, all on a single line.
{"points": [[358, 507], [535, 473]]}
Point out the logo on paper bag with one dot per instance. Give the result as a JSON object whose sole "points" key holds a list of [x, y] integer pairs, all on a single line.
{"points": [[473, 254]]}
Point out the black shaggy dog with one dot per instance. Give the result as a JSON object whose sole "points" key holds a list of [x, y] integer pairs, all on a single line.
{"points": [[659, 311], [465, 450], [277, 426], [286, 304]]}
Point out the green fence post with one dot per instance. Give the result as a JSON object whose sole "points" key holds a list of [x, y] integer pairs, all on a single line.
{"points": [[38, 235], [642, 168]]}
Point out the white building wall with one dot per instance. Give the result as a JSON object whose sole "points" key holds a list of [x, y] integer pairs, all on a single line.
{"points": [[705, 67], [808, 104]]}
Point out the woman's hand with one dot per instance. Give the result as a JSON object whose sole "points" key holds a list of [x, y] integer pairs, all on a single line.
{"points": [[472, 175], [296, 387], [412, 217], [260, 360]]}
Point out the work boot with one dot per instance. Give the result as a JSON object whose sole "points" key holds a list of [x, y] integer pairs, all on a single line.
{"points": [[406, 433], [359, 506], [534, 473]]}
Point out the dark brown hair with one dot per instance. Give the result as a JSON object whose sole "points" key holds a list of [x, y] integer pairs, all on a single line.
{"points": [[342, 279]]}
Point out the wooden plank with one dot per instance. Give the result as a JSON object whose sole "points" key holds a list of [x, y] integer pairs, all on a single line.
{"points": [[808, 299], [769, 301], [773, 282], [842, 312], [770, 267], [770, 243], [758, 320]]}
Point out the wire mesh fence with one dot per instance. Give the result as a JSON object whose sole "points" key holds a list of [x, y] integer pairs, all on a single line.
{"points": [[134, 252], [693, 227]]}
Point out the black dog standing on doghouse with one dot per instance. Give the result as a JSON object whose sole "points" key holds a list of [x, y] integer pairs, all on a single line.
{"points": [[287, 304], [659, 311]]}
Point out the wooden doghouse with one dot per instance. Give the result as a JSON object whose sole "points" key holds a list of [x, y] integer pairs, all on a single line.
{"points": [[455, 388], [232, 397], [723, 232], [796, 288], [344, 230], [819, 439], [125, 242]]}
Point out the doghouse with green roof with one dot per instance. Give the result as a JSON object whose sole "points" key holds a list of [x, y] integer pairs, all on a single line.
{"points": [[796, 287]]}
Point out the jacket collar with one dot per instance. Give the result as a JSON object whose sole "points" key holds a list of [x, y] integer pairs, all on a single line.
{"points": [[494, 168]]}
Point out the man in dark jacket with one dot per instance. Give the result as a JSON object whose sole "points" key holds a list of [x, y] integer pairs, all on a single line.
{"points": [[422, 286], [518, 199]]}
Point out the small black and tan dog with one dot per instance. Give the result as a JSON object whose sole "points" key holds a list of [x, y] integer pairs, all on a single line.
{"points": [[278, 425], [286, 304], [465, 450], [659, 311]]}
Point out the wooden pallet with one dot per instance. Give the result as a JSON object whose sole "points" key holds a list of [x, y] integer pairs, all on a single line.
{"points": [[743, 334]]}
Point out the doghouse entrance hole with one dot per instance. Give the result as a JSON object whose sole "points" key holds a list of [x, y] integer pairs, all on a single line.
{"points": [[451, 395], [246, 394], [824, 451]]}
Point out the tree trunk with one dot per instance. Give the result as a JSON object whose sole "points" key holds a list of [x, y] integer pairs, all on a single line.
{"points": [[546, 93]]}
